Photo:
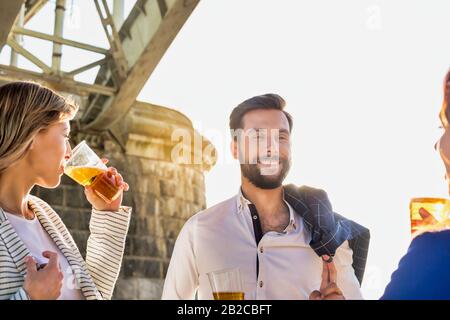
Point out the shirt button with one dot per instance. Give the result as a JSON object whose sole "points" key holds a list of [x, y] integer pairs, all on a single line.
{"points": [[261, 284], [255, 217], [261, 250]]}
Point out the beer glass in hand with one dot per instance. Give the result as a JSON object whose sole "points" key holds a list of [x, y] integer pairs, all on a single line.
{"points": [[86, 168], [428, 214]]}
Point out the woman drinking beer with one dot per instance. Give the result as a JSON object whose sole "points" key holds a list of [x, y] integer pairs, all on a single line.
{"points": [[424, 272], [38, 257]]}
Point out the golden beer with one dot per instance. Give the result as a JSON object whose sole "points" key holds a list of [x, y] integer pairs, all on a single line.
{"points": [[83, 175], [228, 295], [96, 178], [437, 210], [226, 284]]}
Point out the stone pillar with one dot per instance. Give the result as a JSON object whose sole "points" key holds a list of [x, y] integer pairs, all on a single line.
{"points": [[163, 192]]}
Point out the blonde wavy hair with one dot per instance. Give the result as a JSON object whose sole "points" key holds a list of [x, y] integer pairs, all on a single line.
{"points": [[26, 108]]}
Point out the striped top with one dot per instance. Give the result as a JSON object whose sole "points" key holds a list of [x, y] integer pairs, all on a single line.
{"points": [[96, 276]]}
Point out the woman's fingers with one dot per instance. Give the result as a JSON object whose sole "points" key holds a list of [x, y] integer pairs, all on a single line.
{"points": [[424, 213], [89, 192], [118, 179], [111, 171], [105, 161], [426, 216], [120, 183], [30, 264]]}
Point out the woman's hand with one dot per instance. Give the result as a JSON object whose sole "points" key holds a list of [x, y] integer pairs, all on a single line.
{"points": [[427, 219], [46, 283], [97, 202], [428, 223], [328, 288]]}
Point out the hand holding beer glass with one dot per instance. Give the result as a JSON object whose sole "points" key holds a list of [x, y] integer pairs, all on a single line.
{"points": [[226, 284], [429, 214], [103, 186]]}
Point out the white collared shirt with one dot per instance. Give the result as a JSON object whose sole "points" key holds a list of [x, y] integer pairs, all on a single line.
{"points": [[223, 237]]}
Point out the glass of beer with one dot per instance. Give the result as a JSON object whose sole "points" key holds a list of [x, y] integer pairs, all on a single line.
{"points": [[226, 284], [87, 169], [428, 212]]}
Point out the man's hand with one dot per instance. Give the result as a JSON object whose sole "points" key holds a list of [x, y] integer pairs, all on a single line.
{"points": [[328, 288], [46, 283]]}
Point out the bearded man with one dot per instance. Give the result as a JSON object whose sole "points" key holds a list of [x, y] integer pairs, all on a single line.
{"points": [[259, 232]]}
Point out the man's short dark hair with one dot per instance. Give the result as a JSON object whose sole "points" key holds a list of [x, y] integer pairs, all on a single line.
{"points": [[266, 101]]}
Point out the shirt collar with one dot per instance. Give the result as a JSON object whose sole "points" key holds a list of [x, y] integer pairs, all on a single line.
{"points": [[242, 203]]}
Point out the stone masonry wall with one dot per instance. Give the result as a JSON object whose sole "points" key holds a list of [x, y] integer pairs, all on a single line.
{"points": [[163, 196]]}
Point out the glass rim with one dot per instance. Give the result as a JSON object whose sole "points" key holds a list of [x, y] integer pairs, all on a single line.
{"points": [[92, 155], [77, 148], [221, 271], [429, 200]]}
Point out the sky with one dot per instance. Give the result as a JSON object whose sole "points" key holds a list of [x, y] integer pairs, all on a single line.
{"points": [[361, 78]]}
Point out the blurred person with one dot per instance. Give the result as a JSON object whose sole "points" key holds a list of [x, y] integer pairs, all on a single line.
{"points": [[423, 273]]}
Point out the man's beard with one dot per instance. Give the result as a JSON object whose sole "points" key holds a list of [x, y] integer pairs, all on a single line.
{"points": [[253, 173]]}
